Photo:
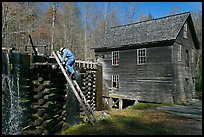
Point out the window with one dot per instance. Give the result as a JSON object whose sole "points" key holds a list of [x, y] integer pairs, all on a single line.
{"points": [[115, 81], [185, 30], [178, 52], [187, 59], [141, 56], [115, 58], [192, 55]]}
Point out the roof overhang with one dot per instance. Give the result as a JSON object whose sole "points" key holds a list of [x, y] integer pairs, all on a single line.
{"points": [[137, 46], [193, 32]]}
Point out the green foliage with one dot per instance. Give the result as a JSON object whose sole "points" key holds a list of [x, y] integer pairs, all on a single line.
{"points": [[198, 82], [141, 106], [181, 102], [23, 100]]}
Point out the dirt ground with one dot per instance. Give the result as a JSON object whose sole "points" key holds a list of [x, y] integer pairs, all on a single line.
{"points": [[193, 111]]}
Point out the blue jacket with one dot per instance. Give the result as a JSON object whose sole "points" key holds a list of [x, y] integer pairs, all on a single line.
{"points": [[67, 53]]}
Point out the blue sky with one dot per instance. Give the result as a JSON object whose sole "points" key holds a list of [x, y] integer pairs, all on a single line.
{"points": [[160, 9], [156, 9]]}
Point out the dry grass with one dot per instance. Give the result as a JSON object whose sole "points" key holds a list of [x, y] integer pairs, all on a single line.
{"points": [[134, 121]]}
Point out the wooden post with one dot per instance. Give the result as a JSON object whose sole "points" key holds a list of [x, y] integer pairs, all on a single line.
{"points": [[99, 87], [110, 103], [120, 103], [35, 52]]}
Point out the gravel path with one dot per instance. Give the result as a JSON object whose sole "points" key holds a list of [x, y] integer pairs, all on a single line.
{"points": [[192, 110]]}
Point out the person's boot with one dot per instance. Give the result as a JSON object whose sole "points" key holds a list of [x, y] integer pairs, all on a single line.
{"points": [[71, 76]]}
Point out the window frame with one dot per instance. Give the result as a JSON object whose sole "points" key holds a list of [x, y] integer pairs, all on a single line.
{"points": [[115, 58], [187, 61], [192, 55], [185, 30], [115, 78], [178, 52], [141, 58]]}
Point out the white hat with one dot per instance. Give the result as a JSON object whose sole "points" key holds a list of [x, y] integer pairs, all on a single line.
{"points": [[61, 49]]}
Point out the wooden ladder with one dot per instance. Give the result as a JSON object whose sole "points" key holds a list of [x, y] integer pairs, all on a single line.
{"points": [[77, 92]]}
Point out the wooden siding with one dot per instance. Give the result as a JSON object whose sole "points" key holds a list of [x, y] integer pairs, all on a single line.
{"points": [[150, 82], [182, 74], [162, 79]]}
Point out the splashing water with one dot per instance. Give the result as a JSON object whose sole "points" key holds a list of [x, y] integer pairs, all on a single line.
{"points": [[11, 114], [10, 105]]}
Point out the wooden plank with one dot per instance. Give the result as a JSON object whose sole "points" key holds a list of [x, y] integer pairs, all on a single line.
{"points": [[99, 87], [84, 99], [43, 63], [33, 46]]}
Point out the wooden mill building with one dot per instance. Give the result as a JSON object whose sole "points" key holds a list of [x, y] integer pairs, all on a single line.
{"points": [[151, 61]]}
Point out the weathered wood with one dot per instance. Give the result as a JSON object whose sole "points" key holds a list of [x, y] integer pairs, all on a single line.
{"points": [[46, 104], [33, 47], [47, 91], [51, 122], [35, 123], [51, 115], [41, 112], [46, 132], [130, 73], [43, 63], [40, 95], [161, 68], [83, 102], [99, 87], [53, 90], [48, 114], [40, 79], [42, 101], [47, 83], [53, 105], [53, 97], [36, 82], [39, 88], [53, 129], [37, 131]]}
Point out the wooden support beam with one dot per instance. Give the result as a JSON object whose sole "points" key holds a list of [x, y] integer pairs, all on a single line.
{"points": [[120, 103], [113, 103], [43, 63], [99, 87], [33, 46]]}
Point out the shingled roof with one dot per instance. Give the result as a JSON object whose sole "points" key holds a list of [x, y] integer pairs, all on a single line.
{"points": [[144, 33]]}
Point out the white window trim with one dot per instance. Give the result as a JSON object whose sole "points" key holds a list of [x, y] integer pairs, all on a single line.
{"points": [[138, 57], [179, 53], [115, 78], [115, 57]]}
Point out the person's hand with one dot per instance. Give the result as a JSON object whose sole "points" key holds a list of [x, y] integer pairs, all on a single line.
{"points": [[63, 63]]}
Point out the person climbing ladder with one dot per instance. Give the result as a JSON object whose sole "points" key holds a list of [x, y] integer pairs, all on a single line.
{"points": [[77, 91], [68, 60]]}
